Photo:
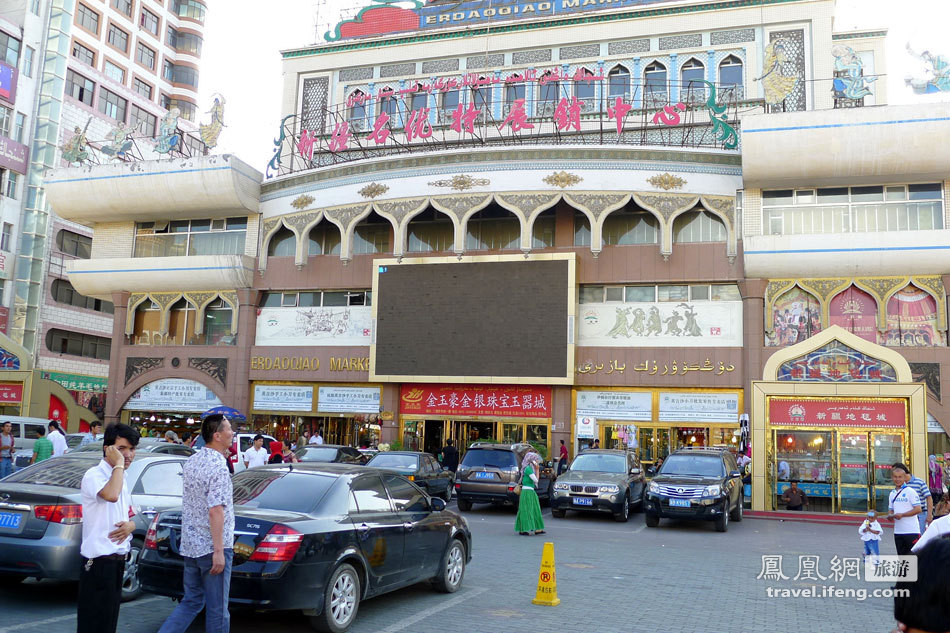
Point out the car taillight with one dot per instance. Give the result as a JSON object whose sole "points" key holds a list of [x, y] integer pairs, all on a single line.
{"points": [[411, 477], [458, 486], [151, 537], [280, 544], [65, 514]]}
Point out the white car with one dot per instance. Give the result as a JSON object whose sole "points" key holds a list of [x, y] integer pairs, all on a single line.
{"points": [[242, 442]]}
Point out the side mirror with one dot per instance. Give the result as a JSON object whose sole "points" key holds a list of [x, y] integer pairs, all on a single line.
{"points": [[436, 504], [634, 471], [734, 474]]}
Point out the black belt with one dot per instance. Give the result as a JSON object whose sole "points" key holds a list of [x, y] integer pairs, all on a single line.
{"points": [[109, 557]]}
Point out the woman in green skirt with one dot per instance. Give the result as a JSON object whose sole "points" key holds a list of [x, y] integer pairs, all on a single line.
{"points": [[529, 508]]}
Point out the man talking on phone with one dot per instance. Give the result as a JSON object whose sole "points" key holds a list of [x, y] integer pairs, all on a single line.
{"points": [[106, 532]]}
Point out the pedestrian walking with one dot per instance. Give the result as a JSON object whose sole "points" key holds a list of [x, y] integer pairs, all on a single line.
{"points": [[450, 456], [870, 531], [794, 497], [276, 450], [529, 520], [304, 439], [42, 447], [903, 506], [562, 459], [57, 438], [922, 489], [287, 456], [940, 528], [171, 437], [106, 532], [6, 449], [256, 455], [207, 532], [94, 434]]}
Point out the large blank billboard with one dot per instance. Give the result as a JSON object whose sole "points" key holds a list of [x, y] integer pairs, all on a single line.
{"points": [[482, 319]]}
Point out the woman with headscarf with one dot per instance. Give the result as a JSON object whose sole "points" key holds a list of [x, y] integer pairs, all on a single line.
{"points": [[936, 478], [529, 518], [276, 448]]}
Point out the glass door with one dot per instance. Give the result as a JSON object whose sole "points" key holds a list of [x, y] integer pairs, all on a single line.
{"points": [[853, 481], [886, 449]]}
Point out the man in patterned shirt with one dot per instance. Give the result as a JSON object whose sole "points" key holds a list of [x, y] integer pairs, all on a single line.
{"points": [[207, 532]]}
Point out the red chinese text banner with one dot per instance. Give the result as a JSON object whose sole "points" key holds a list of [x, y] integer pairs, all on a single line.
{"points": [[837, 412], [476, 400], [11, 392]]}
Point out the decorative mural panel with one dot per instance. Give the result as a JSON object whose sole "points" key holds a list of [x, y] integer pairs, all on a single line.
{"points": [[912, 319], [693, 40], [796, 315], [344, 325], [531, 57], [577, 52], [315, 91], [929, 374], [663, 324], [477, 62], [356, 74], [630, 46], [440, 65], [9, 360], [397, 70], [732, 37], [855, 311], [784, 71], [836, 362]]}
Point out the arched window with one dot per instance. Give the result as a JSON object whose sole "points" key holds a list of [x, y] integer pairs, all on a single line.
{"points": [[549, 92], [283, 244], [618, 81], [514, 91], [420, 99], [584, 87], [630, 226], [856, 311], [358, 109], [372, 235], [430, 231], [493, 228], [217, 324], [655, 82], [730, 76], [542, 231], [698, 226], [581, 229], [912, 319], [692, 74], [481, 97], [324, 239], [388, 103], [796, 315], [181, 323], [146, 324], [450, 99]]}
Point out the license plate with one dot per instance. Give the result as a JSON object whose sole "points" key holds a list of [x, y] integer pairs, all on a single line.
{"points": [[679, 503], [10, 520], [583, 501], [484, 475]]}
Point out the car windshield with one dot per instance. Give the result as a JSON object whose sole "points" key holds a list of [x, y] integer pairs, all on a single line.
{"points": [[489, 458], [599, 463], [407, 462], [699, 465], [66, 472], [317, 455], [280, 489]]}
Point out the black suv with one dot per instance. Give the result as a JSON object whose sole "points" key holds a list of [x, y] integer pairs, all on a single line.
{"points": [[696, 483]]}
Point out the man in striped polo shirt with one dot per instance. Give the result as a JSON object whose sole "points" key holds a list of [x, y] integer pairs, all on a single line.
{"points": [[926, 499]]}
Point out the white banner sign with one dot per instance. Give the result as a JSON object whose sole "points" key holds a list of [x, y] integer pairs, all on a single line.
{"points": [[173, 395], [348, 400], [299, 327], [699, 407], [283, 398], [615, 405], [664, 324], [586, 427]]}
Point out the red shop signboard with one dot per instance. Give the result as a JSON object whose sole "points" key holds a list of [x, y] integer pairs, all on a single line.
{"points": [[837, 412], [476, 400], [11, 392]]}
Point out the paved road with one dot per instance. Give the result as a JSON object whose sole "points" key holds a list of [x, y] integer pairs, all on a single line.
{"points": [[681, 577]]}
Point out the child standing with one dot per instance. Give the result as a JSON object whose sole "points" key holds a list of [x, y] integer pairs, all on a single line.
{"points": [[870, 532]]}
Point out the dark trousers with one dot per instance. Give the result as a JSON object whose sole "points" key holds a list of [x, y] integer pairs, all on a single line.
{"points": [[794, 508], [903, 543], [100, 594]]}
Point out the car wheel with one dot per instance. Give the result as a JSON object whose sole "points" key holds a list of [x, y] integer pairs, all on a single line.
{"points": [[558, 514], [624, 515], [736, 515], [722, 521], [130, 576], [447, 495], [341, 601], [651, 520], [453, 568], [464, 504]]}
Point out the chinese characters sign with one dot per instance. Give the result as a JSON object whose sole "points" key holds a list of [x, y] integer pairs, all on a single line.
{"points": [[348, 400], [173, 394], [283, 398], [11, 392], [476, 400], [838, 412], [699, 407], [615, 405]]}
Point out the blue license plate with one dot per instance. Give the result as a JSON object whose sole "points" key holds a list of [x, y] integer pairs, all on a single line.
{"points": [[484, 475], [583, 501], [10, 520], [679, 503]]}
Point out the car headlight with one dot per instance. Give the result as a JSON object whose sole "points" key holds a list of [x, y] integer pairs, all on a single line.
{"points": [[560, 486], [654, 487], [712, 491], [611, 489]]}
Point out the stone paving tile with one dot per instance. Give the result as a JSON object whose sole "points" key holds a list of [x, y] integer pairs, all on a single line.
{"points": [[681, 577]]}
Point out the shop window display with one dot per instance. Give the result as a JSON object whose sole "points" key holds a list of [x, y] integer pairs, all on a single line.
{"points": [[805, 457]]}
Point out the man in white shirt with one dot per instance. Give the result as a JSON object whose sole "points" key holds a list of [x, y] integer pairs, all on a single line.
{"points": [[317, 437], [94, 434], [57, 438], [106, 532], [256, 455], [903, 506], [938, 528]]}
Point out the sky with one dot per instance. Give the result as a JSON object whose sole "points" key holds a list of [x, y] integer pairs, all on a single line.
{"points": [[242, 44]]}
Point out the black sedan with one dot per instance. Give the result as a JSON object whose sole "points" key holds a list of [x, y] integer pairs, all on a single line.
{"points": [[421, 468], [330, 453], [320, 538]]}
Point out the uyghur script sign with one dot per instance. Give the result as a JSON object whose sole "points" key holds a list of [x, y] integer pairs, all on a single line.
{"points": [[386, 17], [837, 412]]}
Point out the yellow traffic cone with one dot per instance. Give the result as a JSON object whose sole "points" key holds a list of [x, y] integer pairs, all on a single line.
{"points": [[547, 579]]}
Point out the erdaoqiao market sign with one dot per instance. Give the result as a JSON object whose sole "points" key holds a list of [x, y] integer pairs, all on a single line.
{"points": [[476, 400], [385, 16], [838, 412]]}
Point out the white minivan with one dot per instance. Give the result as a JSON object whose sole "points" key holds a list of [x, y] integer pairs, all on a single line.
{"points": [[24, 435]]}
